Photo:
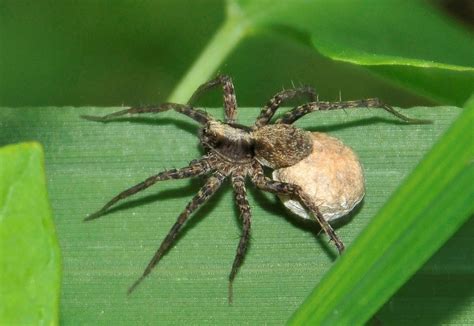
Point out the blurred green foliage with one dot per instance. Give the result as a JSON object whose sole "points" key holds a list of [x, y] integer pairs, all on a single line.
{"points": [[124, 52], [30, 265]]}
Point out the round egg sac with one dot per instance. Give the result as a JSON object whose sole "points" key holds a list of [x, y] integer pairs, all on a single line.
{"points": [[331, 176]]}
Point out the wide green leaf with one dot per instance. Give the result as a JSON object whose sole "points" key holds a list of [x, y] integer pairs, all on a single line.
{"points": [[87, 163], [29, 253], [372, 33]]}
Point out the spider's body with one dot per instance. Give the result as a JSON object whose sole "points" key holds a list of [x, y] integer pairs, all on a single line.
{"points": [[239, 153], [275, 146]]}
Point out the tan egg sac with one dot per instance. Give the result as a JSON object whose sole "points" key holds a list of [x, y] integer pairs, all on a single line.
{"points": [[332, 176]]}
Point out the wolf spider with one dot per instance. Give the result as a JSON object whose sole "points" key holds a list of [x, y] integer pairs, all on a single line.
{"points": [[239, 152]]}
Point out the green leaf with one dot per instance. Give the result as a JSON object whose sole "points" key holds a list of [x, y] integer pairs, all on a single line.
{"points": [[435, 200], [384, 33], [29, 261], [443, 85], [384, 36], [87, 163]]}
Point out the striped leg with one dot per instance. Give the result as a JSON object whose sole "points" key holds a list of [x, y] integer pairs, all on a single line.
{"points": [[230, 102], [266, 184], [196, 114], [244, 208], [270, 108], [196, 168], [212, 184], [300, 111]]}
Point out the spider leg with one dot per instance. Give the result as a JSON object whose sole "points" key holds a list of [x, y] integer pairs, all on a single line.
{"points": [[196, 114], [300, 111], [230, 102], [277, 187], [209, 188], [244, 207], [196, 168], [274, 103]]}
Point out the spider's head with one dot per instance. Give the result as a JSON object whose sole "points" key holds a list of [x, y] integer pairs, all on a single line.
{"points": [[280, 145]]}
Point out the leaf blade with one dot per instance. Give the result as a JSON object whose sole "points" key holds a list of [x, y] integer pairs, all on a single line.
{"points": [[436, 184], [29, 263], [87, 163], [379, 35]]}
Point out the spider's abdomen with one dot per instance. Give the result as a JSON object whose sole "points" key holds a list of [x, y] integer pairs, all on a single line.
{"points": [[280, 145]]}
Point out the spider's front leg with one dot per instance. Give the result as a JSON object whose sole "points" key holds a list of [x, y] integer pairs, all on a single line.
{"points": [[206, 192], [238, 184], [300, 111], [274, 103], [277, 187], [230, 101], [196, 114], [196, 168]]}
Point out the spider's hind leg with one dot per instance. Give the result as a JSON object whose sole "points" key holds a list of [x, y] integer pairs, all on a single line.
{"points": [[196, 114], [244, 208], [274, 103], [230, 101], [277, 187], [196, 168], [211, 186], [300, 111]]}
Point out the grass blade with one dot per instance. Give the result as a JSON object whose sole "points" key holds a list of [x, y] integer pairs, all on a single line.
{"points": [[426, 210]]}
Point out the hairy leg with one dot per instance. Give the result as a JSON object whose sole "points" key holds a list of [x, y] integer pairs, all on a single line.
{"points": [[274, 103], [196, 114], [277, 187], [196, 168], [212, 184], [300, 111], [244, 208], [230, 102]]}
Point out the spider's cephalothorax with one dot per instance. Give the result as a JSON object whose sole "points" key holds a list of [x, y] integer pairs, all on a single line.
{"points": [[238, 153], [275, 146]]}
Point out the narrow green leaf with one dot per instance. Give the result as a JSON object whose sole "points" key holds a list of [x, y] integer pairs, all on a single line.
{"points": [[427, 209], [223, 42], [29, 253]]}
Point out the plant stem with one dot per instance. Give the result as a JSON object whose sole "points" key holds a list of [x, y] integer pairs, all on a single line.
{"points": [[222, 43]]}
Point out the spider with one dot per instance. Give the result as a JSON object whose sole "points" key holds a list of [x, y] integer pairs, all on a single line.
{"points": [[240, 153]]}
